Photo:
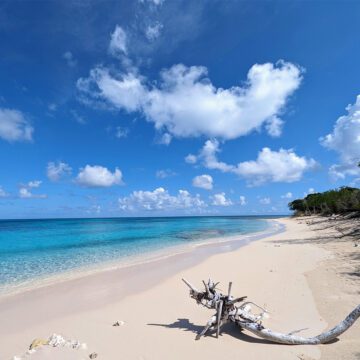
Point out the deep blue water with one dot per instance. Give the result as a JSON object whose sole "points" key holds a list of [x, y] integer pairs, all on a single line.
{"points": [[35, 249]]}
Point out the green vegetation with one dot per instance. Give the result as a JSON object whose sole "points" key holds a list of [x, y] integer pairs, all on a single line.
{"points": [[339, 201]]}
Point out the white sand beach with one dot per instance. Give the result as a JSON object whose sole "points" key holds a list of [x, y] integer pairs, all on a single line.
{"points": [[299, 275]]}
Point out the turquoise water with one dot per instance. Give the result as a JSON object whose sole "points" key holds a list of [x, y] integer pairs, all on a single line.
{"points": [[36, 249]]}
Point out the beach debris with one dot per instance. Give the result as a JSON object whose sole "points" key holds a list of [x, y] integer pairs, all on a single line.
{"points": [[239, 312], [119, 323], [93, 355], [37, 342], [55, 340]]}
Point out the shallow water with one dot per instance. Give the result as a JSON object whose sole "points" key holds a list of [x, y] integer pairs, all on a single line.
{"points": [[34, 249]]}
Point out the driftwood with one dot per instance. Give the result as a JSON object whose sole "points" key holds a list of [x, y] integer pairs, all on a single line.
{"points": [[238, 311]]}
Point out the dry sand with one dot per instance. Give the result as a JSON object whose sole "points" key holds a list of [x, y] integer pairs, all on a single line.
{"points": [[296, 274]]}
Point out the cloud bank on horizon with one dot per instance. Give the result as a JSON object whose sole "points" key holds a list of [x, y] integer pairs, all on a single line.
{"points": [[142, 129]]}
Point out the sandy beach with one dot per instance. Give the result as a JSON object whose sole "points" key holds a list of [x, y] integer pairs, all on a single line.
{"points": [[301, 275]]}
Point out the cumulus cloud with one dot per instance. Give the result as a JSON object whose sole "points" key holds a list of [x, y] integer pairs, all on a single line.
{"points": [[55, 171], [270, 166], [25, 191], [345, 140], [152, 32], [220, 200], [265, 201], [288, 195], [124, 91], [275, 166], [98, 176], [14, 126], [243, 201], [118, 41], [160, 199], [203, 181], [186, 104], [69, 58]]}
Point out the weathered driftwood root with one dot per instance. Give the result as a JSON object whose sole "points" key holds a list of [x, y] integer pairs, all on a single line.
{"points": [[227, 310], [323, 338]]}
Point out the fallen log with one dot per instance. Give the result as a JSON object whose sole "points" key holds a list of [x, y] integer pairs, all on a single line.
{"points": [[241, 315]]}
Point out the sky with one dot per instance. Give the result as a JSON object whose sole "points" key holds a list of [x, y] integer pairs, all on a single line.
{"points": [[166, 108]]}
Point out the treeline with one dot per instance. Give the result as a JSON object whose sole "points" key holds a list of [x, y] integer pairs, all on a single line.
{"points": [[339, 201]]}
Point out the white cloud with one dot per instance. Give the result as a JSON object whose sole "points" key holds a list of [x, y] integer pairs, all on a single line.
{"points": [[274, 126], [220, 200], [208, 155], [203, 182], [125, 91], [187, 104], [69, 58], [288, 195], [34, 184], [162, 174], [25, 193], [98, 176], [265, 201], [55, 171], [270, 166], [191, 159], [14, 126], [275, 166], [345, 140], [243, 201], [118, 41], [310, 191], [121, 132], [165, 139], [152, 32], [160, 199], [25, 190]]}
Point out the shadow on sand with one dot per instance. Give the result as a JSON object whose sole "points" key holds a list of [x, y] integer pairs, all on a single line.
{"points": [[229, 329]]}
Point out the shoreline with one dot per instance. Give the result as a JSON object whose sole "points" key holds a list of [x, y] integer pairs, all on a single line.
{"points": [[277, 271], [235, 241]]}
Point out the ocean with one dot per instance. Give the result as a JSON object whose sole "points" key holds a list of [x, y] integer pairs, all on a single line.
{"points": [[34, 250]]}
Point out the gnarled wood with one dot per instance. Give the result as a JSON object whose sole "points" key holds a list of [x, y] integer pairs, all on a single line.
{"points": [[241, 316]]}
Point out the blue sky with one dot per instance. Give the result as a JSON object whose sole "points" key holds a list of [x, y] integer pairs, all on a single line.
{"points": [[153, 107]]}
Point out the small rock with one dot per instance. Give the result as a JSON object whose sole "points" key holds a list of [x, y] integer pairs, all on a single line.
{"points": [[93, 355], [119, 323]]}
